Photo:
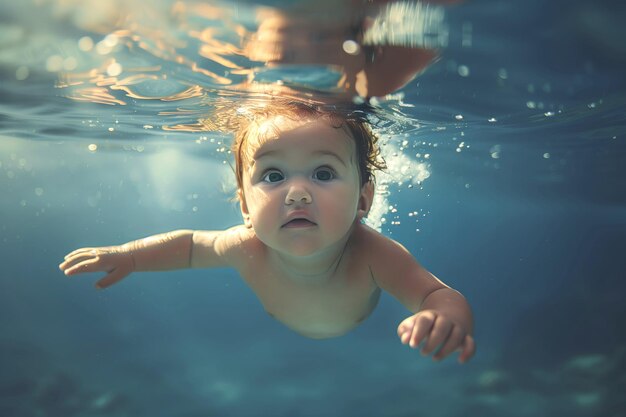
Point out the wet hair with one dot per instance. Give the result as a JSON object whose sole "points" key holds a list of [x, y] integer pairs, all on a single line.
{"points": [[259, 123]]}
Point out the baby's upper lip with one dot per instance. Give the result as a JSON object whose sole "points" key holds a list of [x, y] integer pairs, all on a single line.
{"points": [[296, 215]]}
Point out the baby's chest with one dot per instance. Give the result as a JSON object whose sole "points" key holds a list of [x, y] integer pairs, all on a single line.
{"points": [[318, 310]]}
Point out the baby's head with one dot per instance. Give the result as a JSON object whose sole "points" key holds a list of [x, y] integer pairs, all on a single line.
{"points": [[261, 123], [304, 175]]}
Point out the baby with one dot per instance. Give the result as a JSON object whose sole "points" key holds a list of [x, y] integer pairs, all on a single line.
{"points": [[305, 182]]}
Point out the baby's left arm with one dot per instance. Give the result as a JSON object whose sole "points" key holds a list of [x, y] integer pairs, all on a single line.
{"points": [[441, 318]]}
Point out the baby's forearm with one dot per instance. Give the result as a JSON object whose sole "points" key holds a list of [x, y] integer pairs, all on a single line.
{"points": [[452, 304], [161, 252]]}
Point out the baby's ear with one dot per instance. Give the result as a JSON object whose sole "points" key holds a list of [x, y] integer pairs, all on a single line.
{"points": [[365, 200], [244, 209]]}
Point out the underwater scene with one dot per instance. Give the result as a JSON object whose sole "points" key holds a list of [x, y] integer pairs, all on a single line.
{"points": [[503, 128]]}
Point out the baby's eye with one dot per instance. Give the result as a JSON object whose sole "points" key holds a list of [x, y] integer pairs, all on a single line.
{"points": [[324, 174], [273, 176]]}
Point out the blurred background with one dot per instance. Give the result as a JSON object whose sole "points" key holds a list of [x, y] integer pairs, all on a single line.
{"points": [[503, 125]]}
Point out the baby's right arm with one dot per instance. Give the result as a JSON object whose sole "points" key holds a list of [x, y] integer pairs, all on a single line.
{"points": [[173, 250]]}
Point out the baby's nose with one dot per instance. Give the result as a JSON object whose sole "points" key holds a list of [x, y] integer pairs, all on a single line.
{"points": [[297, 194]]}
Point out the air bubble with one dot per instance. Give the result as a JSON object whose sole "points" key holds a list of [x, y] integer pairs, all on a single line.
{"points": [[495, 151], [350, 47], [54, 63], [114, 69], [110, 40], [85, 44]]}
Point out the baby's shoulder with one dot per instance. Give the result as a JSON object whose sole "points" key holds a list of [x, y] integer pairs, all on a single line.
{"points": [[367, 243], [243, 245], [364, 238], [242, 238]]}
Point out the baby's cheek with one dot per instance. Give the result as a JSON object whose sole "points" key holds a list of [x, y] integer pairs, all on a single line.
{"points": [[260, 230], [343, 216]]}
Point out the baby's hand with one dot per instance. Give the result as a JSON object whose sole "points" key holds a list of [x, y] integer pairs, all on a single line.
{"points": [[436, 330], [115, 260]]}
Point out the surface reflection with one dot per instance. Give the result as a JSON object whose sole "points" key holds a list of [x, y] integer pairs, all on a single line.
{"points": [[376, 49], [346, 52]]}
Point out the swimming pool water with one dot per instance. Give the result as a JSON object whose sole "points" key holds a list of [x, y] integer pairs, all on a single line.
{"points": [[507, 182]]}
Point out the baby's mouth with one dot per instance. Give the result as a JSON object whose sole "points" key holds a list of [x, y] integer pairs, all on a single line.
{"points": [[299, 223]]}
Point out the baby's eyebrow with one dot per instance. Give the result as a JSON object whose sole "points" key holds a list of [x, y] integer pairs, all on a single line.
{"points": [[260, 155], [316, 153], [333, 154]]}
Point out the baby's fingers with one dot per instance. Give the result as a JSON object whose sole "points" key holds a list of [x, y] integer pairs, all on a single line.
{"points": [[438, 335], [90, 265], [469, 348], [76, 259], [80, 251], [423, 324], [405, 329], [455, 339], [113, 277]]}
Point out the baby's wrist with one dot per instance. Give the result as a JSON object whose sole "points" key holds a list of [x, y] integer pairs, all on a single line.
{"points": [[128, 250]]}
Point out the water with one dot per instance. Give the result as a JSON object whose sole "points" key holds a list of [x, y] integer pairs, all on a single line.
{"points": [[515, 139]]}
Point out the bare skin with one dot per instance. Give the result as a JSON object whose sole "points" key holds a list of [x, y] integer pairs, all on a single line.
{"points": [[303, 249]]}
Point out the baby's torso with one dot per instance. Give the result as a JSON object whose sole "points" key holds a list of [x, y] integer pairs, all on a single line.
{"points": [[319, 310]]}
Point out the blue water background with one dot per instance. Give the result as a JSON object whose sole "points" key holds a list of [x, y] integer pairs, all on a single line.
{"points": [[527, 220]]}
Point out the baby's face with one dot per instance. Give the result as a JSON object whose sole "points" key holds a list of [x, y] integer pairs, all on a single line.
{"points": [[301, 190]]}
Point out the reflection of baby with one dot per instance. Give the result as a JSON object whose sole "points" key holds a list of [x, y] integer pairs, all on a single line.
{"points": [[305, 182], [335, 40], [378, 46]]}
